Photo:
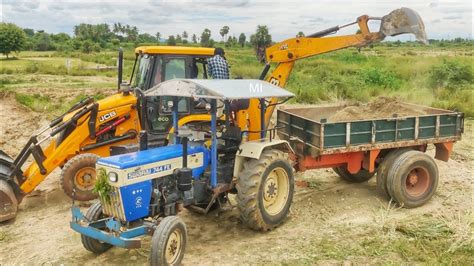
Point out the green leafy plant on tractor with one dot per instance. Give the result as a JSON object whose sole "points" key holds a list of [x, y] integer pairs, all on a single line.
{"points": [[102, 186]]}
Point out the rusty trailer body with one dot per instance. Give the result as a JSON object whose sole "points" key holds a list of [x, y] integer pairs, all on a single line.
{"points": [[362, 144]]}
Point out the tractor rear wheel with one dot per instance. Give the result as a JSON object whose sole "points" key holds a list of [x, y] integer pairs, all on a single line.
{"points": [[412, 179], [168, 243], [94, 213], [79, 174], [265, 190], [362, 176]]}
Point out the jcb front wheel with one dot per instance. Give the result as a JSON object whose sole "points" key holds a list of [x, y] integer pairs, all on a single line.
{"points": [[79, 173], [265, 190], [168, 243]]}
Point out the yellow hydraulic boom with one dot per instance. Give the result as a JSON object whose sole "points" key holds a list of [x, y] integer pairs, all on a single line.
{"points": [[287, 52]]}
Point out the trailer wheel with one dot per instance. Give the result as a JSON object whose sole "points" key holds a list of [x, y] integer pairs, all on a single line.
{"points": [[79, 173], [94, 213], [383, 169], [412, 179], [362, 176], [265, 190], [168, 243]]}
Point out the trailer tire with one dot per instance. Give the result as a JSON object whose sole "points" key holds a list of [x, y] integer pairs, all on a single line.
{"points": [[382, 170], [265, 190], [164, 252], [80, 173], [94, 213], [362, 176], [412, 179]]}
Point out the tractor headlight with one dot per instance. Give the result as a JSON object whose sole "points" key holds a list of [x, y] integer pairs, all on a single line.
{"points": [[113, 177]]}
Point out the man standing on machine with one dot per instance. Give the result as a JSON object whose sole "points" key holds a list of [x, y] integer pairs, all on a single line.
{"points": [[217, 66]]}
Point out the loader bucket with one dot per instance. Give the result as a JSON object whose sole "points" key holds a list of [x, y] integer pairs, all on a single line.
{"points": [[404, 20], [8, 200]]}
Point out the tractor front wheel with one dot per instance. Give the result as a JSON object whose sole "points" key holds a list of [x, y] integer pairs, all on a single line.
{"points": [[168, 243], [79, 174], [265, 190], [94, 213]]}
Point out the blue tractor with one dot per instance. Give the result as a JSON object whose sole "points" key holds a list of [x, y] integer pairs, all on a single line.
{"points": [[141, 193]]}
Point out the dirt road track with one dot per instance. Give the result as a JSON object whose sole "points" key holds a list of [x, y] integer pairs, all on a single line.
{"points": [[329, 211]]}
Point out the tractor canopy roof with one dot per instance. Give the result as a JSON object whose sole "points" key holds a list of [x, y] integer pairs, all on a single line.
{"points": [[222, 89], [175, 50]]}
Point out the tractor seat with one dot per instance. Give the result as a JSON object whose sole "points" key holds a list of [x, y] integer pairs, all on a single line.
{"points": [[232, 137]]}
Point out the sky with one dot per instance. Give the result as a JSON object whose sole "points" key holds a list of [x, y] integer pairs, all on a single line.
{"points": [[443, 18]]}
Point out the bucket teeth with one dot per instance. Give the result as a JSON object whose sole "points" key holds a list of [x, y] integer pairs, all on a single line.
{"points": [[8, 202], [404, 20]]}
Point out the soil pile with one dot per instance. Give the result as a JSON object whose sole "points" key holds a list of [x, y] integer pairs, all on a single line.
{"points": [[382, 107]]}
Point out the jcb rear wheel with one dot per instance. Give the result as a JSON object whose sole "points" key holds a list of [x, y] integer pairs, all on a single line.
{"points": [[265, 190], [168, 243], [79, 173], [94, 213], [362, 176]]}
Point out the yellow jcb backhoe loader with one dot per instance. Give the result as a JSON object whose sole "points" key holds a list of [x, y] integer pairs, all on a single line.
{"points": [[14, 183]]}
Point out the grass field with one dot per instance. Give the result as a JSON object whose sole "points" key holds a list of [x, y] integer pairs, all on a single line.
{"points": [[435, 76]]}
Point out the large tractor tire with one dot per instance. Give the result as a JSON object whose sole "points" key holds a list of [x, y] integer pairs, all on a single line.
{"points": [[412, 179], [382, 170], [168, 243], [265, 190], [362, 176], [79, 174], [8, 202], [94, 213]]}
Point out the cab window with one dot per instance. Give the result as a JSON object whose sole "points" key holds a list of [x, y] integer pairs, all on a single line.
{"points": [[175, 68], [157, 75], [183, 105], [142, 72]]}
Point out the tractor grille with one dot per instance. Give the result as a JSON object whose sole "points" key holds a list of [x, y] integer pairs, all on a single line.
{"points": [[113, 207]]}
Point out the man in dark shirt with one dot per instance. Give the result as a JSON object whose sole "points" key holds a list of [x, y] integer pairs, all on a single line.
{"points": [[217, 66]]}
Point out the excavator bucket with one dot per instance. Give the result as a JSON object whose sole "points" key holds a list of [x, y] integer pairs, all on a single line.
{"points": [[404, 20], [8, 200]]}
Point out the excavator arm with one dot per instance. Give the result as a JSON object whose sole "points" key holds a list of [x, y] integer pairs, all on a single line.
{"points": [[286, 53]]}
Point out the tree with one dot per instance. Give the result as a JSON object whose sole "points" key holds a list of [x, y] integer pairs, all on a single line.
{"points": [[12, 38], [185, 36], [171, 40], [242, 38], [178, 38], [194, 38], [158, 37], [300, 34], [261, 40], [87, 46], [43, 41], [29, 32], [206, 38], [223, 32]]}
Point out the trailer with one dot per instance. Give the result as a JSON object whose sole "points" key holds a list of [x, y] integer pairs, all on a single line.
{"points": [[392, 148]]}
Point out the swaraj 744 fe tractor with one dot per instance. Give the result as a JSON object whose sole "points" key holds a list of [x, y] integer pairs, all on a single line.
{"points": [[141, 193]]}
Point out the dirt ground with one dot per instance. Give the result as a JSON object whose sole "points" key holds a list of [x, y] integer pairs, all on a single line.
{"points": [[331, 221]]}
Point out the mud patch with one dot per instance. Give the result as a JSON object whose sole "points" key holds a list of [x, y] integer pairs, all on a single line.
{"points": [[382, 107]]}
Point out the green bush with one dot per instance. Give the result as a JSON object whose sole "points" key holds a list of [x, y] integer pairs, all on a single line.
{"points": [[380, 77], [451, 74]]}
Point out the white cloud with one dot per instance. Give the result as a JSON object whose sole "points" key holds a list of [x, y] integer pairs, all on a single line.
{"points": [[284, 18]]}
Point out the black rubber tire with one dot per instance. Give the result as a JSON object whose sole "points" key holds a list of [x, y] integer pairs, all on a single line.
{"points": [[68, 174], [362, 176], [383, 169], [250, 186], [94, 213], [160, 239], [398, 172]]}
